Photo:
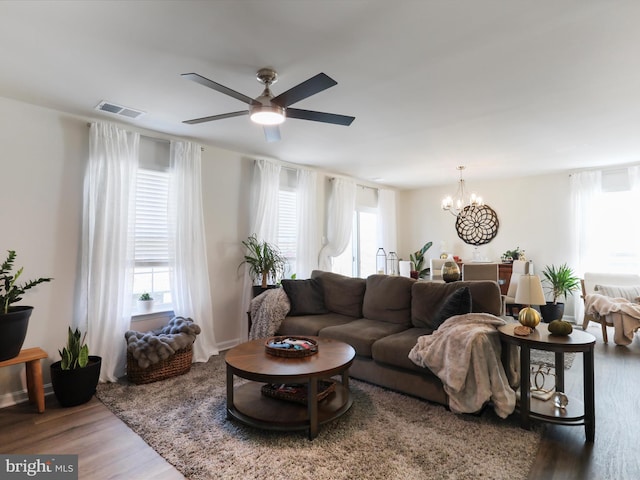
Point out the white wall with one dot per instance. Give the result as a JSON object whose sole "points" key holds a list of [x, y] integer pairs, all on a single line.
{"points": [[42, 165], [533, 212]]}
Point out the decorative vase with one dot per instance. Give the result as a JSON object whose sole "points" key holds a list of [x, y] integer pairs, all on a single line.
{"points": [[13, 330], [77, 386], [450, 271], [145, 306]]}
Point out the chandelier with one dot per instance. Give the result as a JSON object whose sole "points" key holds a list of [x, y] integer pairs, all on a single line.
{"points": [[456, 205]]}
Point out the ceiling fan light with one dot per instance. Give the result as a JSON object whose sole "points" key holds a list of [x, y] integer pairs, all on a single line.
{"points": [[267, 115]]}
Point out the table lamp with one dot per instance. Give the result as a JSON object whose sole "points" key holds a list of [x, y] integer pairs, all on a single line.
{"points": [[529, 293]]}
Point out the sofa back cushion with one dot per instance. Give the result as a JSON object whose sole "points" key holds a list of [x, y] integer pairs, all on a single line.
{"points": [[388, 299], [427, 299], [342, 294]]}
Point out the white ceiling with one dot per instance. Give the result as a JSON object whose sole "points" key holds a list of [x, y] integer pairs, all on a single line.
{"points": [[505, 87]]}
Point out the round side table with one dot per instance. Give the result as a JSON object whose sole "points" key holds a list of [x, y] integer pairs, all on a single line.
{"points": [[575, 413]]}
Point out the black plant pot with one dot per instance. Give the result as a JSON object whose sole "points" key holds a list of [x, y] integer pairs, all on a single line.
{"points": [[13, 330], [75, 387], [257, 289], [552, 312]]}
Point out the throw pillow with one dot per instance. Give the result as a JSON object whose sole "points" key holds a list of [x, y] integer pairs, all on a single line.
{"points": [[458, 303], [630, 292], [306, 297]]}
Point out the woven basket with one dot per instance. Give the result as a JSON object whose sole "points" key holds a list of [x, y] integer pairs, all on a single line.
{"points": [[177, 364], [290, 353], [298, 392]]}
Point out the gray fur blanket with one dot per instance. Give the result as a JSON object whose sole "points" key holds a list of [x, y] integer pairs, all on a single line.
{"points": [[267, 312], [464, 352], [624, 315], [151, 347]]}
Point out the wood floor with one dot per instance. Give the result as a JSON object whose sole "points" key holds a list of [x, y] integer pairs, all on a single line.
{"points": [[108, 449]]}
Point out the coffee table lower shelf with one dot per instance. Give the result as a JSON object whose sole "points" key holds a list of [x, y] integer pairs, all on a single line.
{"points": [[253, 408]]}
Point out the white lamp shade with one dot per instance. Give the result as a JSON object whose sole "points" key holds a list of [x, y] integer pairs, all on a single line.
{"points": [[529, 291]]}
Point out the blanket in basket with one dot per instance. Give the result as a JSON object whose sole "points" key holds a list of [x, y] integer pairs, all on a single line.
{"points": [[149, 348]]}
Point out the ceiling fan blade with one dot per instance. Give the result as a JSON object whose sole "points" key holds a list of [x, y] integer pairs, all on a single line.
{"points": [[219, 88], [271, 133], [216, 117], [305, 89], [319, 116]]}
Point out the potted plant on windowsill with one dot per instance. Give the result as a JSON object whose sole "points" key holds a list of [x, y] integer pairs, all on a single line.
{"points": [[265, 262], [559, 282], [417, 259], [75, 377], [14, 320], [145, 303]]}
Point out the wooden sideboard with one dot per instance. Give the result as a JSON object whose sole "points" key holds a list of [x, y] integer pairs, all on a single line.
{"points": [[504, 276]]}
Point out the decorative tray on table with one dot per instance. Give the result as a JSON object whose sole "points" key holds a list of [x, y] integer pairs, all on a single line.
{"points": [[291, 346]]}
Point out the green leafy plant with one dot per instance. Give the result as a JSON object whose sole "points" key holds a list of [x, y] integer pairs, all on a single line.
{"points": [[145, 297], [513, 254], [264, 259], [76, 353], [10, 291], [417, 258], [560, 281]]}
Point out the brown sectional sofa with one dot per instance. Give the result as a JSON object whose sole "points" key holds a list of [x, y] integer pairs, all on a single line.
{"points": [[382, 318]]}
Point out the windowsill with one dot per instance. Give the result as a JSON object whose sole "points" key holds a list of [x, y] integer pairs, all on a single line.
{"points": [[160, 313]]}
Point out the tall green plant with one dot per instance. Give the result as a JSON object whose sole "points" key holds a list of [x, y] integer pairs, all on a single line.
{"points": [[264, 259], [561, 281], [10, 291], [418, 258], [76, 353]]}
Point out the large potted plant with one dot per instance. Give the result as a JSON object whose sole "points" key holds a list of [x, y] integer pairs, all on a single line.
{"points": [[14, 320], [265, 262], [560, 282], [417, 259], [75, 377]]}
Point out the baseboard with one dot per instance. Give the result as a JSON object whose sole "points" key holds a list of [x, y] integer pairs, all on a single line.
{"points": [[228, 344], [14, 398]]}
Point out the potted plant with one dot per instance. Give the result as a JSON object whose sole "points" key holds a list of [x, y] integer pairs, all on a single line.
{"points": [[145, 303], [14, 320], [417, 259], [265, 262], [559, 282], [510, 255], [75, 377]]}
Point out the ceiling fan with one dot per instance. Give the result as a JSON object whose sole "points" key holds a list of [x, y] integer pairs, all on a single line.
{"points": [[270, 111]]}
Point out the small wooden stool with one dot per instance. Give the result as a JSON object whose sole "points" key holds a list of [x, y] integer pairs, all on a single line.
{"points": [[31, 358]]}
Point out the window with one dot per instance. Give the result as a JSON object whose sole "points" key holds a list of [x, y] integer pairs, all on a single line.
{"points": [[151, 272], [359, 258], [287, 228]]}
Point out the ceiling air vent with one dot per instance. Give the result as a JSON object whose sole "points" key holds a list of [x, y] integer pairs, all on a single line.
{"points": [[105, 106]]}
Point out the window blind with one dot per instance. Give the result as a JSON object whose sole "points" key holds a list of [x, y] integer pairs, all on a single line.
{"points": [[151, 219], [287, 228]]}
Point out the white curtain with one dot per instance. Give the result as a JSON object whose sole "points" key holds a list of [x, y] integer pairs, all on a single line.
{"points": [[264, 220], [190, 286], [308, 243], [586, 189], [387, 230], [342, 203], [107, 248]]}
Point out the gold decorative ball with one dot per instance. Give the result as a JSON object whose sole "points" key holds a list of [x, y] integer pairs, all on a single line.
{"points": [[529, 317]]}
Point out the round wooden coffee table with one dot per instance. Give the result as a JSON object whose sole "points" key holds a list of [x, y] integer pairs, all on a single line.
{"points": [[250, 361]]}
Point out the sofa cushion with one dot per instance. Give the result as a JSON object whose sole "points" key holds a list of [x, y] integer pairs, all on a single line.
{"points": [[427, 297], [342, 294], [394, 349], [388, 299], [311, 324], [305, 296], [362, 333], [457, 303]]}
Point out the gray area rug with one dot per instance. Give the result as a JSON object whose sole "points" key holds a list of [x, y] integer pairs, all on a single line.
{"points": [[541, 357], [385, 435]]}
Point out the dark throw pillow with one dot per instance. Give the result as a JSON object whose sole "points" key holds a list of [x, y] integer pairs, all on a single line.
{"points": [[306, 297], [458, 303]]}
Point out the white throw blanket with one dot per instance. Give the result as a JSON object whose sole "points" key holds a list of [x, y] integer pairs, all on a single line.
{"points": [[464, 352], [267, 312], [625, 324]]}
